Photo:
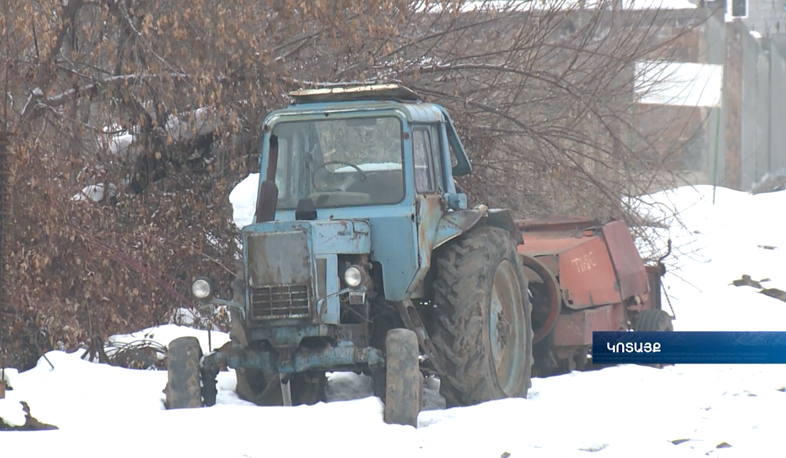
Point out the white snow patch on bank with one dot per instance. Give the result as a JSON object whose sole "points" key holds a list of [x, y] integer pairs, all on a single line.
{"points": [[623, 411], [244, 200], [12, 413], [715, 244]]}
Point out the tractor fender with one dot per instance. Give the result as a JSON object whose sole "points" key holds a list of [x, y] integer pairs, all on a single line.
{"points": [[455, 223]]}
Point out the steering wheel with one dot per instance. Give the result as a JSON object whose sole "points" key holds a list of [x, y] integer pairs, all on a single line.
{"points": [[355, 177]]}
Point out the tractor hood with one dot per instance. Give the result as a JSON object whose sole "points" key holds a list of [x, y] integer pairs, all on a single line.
{"points": [[291, 267]]}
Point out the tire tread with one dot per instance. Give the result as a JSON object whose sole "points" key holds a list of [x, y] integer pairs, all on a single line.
{"points": [[461, 287]]}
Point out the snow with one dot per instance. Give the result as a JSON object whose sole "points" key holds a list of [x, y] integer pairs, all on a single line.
{"points": [[94, 192], [9, 375], [740, 234], [169, 332], [622, 411], [187, 126], [244, 200], [12, 412], [679, 84], [192, 124], [119, 145]]}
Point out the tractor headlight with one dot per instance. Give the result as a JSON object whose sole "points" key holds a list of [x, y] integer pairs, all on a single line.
{"points": [[201, 288], [353, 276]]}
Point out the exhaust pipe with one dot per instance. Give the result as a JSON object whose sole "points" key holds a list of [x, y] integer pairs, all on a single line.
{"points": [[268, 192]]}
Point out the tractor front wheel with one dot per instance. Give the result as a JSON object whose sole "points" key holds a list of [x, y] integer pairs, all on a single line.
{"points": [[403, 380], [188, 385]]}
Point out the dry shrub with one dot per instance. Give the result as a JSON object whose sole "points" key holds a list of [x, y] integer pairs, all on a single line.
{"points": [[540, 100]]}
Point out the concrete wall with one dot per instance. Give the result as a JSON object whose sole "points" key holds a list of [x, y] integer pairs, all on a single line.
{"points": [[777, 121], [714, 52], [750, 169], [754, 107], [762, 115], [767, 17], [736, 144], [732, 107]]}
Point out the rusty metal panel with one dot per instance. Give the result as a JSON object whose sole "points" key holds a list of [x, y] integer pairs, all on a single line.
{"points": [[278, 258], [540, 244], [555, 223], [631, 273], [586, 273], [279, 275], [428, 213], [453, 224], [551, 263], [575, 329], [300, 360], [545, 295], [653, 299]]}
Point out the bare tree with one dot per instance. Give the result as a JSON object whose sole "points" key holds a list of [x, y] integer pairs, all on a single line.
{"points": [[158, 105]]}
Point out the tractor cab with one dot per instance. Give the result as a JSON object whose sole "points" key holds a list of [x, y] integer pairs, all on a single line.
{"points": [[366, 146], [357, 180]]}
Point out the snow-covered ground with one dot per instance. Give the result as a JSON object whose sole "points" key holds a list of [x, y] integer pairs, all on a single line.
{"points": [[623, 411]]}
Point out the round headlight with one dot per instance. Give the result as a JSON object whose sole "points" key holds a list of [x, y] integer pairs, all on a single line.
{"points": [[353, 276], [200, 288]]}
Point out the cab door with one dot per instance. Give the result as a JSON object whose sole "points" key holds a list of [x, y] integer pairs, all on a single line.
{"points": [[429, 186]]}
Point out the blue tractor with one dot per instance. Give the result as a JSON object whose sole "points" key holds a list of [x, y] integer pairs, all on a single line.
{"points": [[364, 257]]}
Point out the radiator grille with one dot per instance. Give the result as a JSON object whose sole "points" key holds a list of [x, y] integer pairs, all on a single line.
{"points": [[271, 302]]}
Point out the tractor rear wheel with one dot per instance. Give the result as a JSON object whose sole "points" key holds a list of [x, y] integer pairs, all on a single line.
{"points": [[307, 388], [403, 380], [184, 384], [481, 325], [653, 320]]}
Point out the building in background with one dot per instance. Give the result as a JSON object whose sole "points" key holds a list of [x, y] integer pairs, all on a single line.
{"points": [[765, 17]]}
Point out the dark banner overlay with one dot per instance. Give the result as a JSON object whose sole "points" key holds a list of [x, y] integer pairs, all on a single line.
{"points": [[668, 347]]}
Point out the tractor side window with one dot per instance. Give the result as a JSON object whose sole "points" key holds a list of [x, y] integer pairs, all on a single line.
{"points": [[283, 182], [282, 169], [453, 158], [421, 148], [436, 149]]}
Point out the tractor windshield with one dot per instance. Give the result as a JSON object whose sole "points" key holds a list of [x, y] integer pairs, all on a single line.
{"points": [[339, 162]]}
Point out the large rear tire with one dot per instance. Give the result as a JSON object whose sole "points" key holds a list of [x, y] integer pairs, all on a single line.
{"points": [[403, 380], [183, 389], [481, 326]]}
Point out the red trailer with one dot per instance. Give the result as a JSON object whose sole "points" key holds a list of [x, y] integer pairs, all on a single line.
{"points": [[585, 276]]}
